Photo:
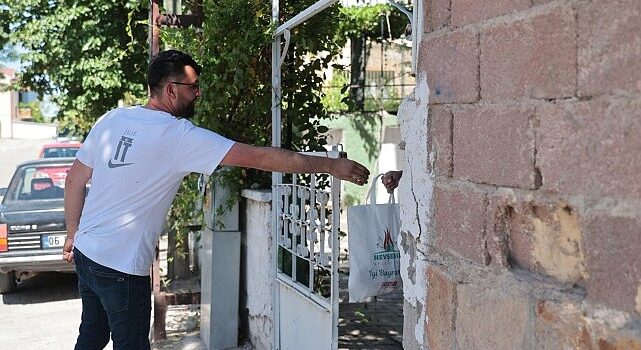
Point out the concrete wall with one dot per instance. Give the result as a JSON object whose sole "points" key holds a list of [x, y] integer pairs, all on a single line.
{"points": [[523, 203], [29, 130], [256, 308]]}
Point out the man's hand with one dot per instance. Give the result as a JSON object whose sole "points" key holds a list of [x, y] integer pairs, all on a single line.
{"points": [[390, 180], [349, 170], [67, 250]]}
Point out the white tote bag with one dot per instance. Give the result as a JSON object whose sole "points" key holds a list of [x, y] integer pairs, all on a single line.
{"points": [[374, 258]]}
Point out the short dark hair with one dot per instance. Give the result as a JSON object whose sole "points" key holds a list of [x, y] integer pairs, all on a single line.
{"points": [[168, 64]]}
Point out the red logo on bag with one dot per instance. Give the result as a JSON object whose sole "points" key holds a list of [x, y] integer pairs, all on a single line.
{"points": [[388, 243], [389, 251]]}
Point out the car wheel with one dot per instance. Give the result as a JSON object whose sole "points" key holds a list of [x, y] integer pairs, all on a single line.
{"points": [[7, 282]]}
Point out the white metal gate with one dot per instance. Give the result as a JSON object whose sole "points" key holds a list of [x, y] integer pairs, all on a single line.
{"points": [[306, 231], [305, 226]]}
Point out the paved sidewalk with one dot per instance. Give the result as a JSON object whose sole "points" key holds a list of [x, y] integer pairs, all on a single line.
{"points": [[373, 325], [183, 330]]}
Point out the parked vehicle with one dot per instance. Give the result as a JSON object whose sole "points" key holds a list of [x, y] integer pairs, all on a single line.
{"points": [[32, 226], [60, 149]]}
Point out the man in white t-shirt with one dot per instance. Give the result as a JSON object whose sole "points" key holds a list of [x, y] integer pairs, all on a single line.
{"points": [[136, 158]]}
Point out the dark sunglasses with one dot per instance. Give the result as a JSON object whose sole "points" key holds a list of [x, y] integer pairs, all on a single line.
{"points": [[194, 86]]}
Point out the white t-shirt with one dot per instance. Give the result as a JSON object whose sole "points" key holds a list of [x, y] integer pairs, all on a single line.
{"points": [[139, 157]]}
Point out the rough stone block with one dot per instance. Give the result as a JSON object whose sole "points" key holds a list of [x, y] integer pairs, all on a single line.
{"points": [[495, 145], [521, 239], [590, 148], [560, 325], [534, 57], [556, 241], [545, 238], [540, 2], [469, 11], [450, 63], [440, 140], [619, 343], [509, 240], [609, 47], [563, 324], [612, 248], [459, 223], [436, 14], [488, 319], [441, 308]]}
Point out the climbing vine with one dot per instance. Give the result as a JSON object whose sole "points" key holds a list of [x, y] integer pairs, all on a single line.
{"points": [[234, 48]]}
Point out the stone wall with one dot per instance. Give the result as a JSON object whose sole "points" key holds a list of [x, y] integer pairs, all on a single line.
{"points": [[523, 202]]}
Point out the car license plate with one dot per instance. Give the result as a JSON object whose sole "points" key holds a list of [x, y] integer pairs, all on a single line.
{"points": [[53, 241]]}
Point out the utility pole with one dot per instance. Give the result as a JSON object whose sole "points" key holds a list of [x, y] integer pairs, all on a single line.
{"points": [[156, 21]]}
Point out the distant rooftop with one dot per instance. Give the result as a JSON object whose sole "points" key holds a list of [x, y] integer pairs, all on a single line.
{"points": [[8, 72]]}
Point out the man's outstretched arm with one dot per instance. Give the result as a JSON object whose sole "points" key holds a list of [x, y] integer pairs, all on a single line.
{"points": [[285, 161]]}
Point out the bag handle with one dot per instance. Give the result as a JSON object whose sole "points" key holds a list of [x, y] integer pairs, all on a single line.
{"points": [[371, 194]]}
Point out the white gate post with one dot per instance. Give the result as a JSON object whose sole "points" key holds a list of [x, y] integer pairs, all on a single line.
{"points": [[220, 271]]}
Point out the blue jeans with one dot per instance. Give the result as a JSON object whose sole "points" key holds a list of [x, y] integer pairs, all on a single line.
{"points": [[112, 302]]}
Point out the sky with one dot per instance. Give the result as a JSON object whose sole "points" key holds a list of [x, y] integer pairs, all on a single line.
{"points": [[11, 64], [14, 65]]}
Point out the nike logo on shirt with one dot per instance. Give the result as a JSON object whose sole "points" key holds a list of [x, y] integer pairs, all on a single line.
{"points": [[112, 165]]}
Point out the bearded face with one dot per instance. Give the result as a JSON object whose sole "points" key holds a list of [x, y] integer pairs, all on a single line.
{"points": [[188, 110]]}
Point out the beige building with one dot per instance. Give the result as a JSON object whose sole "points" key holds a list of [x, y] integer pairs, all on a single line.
{"points": [[8, 104], [16, 122]]}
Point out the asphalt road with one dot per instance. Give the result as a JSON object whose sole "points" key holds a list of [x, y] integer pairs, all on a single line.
{"points": [[14, 152], [43, 313]]}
